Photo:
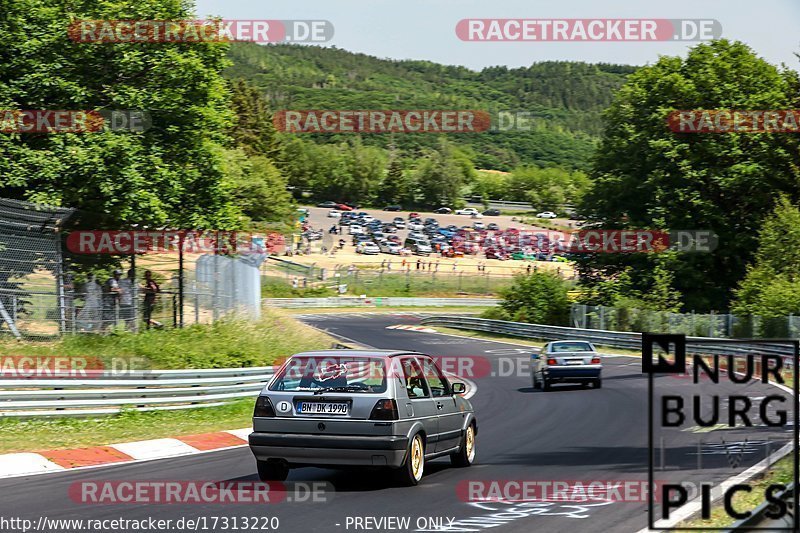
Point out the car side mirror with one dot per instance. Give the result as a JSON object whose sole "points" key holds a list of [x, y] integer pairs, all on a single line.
{"points": [[534, 356], [459, 388]]}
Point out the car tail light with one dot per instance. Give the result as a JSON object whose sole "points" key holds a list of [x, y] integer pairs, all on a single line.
{"points": [[384, 410], [595, 360], [263, 408], [552, 361]]}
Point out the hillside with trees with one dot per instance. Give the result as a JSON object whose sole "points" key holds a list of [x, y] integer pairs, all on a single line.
{"points": [[564, 99]]}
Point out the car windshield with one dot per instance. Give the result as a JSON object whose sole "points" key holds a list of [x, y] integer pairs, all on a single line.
{"points": [[571, 347], [329, 372]]}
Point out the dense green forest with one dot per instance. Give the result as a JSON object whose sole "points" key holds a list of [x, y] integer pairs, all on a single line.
{"points": [[212, 158], [564, 99]]}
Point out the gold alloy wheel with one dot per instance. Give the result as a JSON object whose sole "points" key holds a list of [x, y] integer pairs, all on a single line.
{"points": [[470, 443], [417, 459]]}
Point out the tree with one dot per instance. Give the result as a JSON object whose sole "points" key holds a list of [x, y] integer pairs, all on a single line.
{"points": [[539, 298], [645, 176], [257, 186], [253, 129], [440, 176], [396, 186], [168, 175], [771, 287]]}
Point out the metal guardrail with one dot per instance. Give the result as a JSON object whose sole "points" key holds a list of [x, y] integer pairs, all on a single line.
{"points": [[501, 204], [613, 339], [110, 393], [627, 340], [339, 301]]}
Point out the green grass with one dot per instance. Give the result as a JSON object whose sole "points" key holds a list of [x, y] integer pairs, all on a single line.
{"points": [[781, 472], [227, 343], [374, 284], [49, 434], [280, 287], [442, 285]]}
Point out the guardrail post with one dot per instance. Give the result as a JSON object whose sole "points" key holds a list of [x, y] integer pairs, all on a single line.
{"points": [[700, 454]]}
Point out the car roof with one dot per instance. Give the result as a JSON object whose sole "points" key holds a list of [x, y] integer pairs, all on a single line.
{"points": [[358, 353]]}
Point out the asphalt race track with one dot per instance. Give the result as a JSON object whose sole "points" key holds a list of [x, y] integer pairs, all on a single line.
{"points": [[570, 433]]}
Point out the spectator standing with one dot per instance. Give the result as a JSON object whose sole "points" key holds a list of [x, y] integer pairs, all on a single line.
{"points": [[151, 289], [111, 293], [127, 287]]}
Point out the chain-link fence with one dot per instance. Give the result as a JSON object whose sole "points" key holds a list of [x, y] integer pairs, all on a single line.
{"points": [[32, 293], [718, 325], [47, 288], [157, 291]]}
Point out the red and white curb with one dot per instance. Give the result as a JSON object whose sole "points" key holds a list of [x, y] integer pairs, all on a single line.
{"points": [[422, 329], [25, 464]]}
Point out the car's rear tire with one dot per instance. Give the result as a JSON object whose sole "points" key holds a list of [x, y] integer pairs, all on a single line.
{"points": [[534, 381], [272, 470], [465, 456], [598, 383], [410, 473], [546, 384]]}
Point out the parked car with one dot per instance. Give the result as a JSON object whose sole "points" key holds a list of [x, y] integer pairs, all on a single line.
{"points": [[546, 214], [367, 248], [393, 238], [392, 208], [356, 230], [496, 253], [343, 207], [321, 409], [478, 225], [418, 246], [333, 213], [493, 227], [313, 235], [328, 205], [366, 219], [413, 215], [443, 211], [467, 211], [389, 228], [492, 212], [566, 362], [415, 226], [416, 235], [399, 223], [389, 247]]}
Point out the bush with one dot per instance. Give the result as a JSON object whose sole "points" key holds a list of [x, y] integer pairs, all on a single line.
{"points": [[539, 298]]}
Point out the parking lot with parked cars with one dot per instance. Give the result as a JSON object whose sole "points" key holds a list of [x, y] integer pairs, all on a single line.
{"points": [[465, 232]]}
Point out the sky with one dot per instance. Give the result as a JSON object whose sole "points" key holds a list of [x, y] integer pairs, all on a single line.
{"points": [[425, 29]]}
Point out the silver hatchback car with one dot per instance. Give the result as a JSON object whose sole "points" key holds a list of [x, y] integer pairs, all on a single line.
{"points": [[343, 408]]}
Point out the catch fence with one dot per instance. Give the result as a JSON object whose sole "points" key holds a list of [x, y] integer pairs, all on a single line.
{"points": [[713, 325]]}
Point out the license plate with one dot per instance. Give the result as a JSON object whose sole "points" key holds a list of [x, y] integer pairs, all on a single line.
{"points": [[322, 408], [575, 362]]}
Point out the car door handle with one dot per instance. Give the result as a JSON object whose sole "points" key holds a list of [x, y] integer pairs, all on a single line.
{"points": [[439, 406]]}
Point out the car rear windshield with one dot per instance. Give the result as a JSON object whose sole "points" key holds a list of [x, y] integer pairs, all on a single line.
{"points": [[572, 347], [349, 374]]}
